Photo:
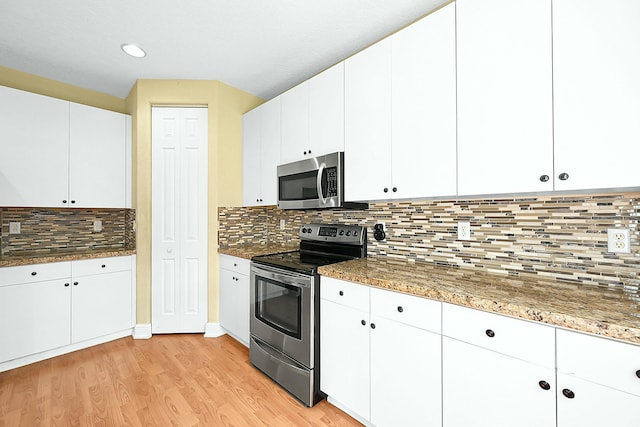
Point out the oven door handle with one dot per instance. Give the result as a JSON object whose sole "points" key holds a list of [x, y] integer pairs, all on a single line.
{"points": [[321, 169], [289, 280]]}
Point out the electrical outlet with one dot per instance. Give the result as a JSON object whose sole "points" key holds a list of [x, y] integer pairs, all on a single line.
{"points": [[97, 226], [14, 228], [283, 224], [379, 231], [619, 240], [464, 230]]}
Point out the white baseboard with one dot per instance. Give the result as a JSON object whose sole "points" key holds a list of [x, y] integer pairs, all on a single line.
{"points": [[142, 331], [23, 361], [213, 330]]}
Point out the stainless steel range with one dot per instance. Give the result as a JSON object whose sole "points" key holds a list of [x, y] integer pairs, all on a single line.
{"points": [[285, 306]]}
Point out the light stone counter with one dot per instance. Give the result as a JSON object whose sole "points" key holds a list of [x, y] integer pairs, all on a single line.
{"points": [[609, 312], [62, 256]]}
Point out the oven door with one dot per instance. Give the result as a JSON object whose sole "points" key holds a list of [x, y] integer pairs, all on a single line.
{"points": [[282, 311]]}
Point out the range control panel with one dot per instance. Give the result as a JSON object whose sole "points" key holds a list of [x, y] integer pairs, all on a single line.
{"points": [[339, 233]]}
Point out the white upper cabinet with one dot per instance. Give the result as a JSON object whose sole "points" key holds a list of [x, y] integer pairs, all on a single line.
{"points": [[313, 116], [423, 107], [97, 158], [294, 144], [400, 114], [35, 149], [61, 154], [261, 154], [596, 64], [505, 134], [367, 145], [326, 111]]}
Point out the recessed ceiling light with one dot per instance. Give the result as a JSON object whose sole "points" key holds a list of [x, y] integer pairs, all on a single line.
{"points": [[133, 50]]}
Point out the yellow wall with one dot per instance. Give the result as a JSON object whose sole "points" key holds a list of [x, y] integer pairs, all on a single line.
{"points": [[55, 89], [226, 106]]}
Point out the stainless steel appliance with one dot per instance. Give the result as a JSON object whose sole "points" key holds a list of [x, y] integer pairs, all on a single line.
{"points": [[315, 183], [285, 306]]}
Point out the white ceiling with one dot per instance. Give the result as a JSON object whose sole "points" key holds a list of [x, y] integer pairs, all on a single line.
{"points": [[262, 47]]}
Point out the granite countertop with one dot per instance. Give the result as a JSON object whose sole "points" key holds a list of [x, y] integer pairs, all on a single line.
{"points": [[609, 312], [62, 256], [249, 250]]}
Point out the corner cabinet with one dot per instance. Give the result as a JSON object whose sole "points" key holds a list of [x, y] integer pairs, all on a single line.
{"points": [[261, 154], [62, 154], [235, 297], [380, 354], [52, 309], [400, 113]]}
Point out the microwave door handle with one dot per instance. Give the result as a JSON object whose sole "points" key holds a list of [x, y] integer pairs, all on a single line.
{"points": [[319, 184]]}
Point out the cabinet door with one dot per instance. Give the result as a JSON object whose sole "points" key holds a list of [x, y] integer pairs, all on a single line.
{"points": [[251, 122], [269, 151], [101, 304], [594, 405], [326, 111], [367, 145], [405, 375], [294, 143], [97, 159], [484, 388], [344, 356], [505, 138], [234, 304], [35, 149], [424, 107], [34, 317], [596, 64]]}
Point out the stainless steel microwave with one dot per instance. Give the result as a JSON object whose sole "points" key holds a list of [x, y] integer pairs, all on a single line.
{"points": [[314, 183]]}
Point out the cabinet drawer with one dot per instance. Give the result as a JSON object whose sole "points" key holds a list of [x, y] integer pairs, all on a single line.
{"points": [[235, 264], [87, 267], [521, 339], [600, 360], [345, 293], [411, 310], [34, 273]]}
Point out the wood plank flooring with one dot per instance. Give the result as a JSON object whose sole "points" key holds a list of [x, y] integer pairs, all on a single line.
{"points": [[168, 380]]}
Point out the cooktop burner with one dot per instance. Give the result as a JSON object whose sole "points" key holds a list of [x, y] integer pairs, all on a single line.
{"points": [[320, 244]]}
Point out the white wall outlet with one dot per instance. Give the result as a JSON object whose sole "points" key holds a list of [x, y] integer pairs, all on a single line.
{"points": [[619, 240], [283, 224], [97, 226], [464, 230], [14, 228]]}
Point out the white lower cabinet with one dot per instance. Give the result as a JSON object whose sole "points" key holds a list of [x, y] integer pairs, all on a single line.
{"points": [[598, 381], [496, 371], [485, 388], [46, 307], [377, 362], [235, 297], [34, 317]]}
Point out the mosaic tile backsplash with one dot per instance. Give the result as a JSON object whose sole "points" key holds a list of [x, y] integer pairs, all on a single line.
{"points": [[560, 237], [46, 231]]}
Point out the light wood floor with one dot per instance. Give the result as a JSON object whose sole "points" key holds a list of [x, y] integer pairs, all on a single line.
{"points": [[169, 380]]}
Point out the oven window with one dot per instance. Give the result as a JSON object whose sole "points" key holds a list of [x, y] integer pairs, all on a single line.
{"points": [[280, 306], [300, 186]]}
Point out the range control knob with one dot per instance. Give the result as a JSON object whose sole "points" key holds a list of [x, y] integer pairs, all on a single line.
{"points": [[341, 232], [348, 233], [355, 233]]}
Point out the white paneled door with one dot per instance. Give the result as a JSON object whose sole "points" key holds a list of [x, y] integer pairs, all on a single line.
{"points": [[179, 219]]}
